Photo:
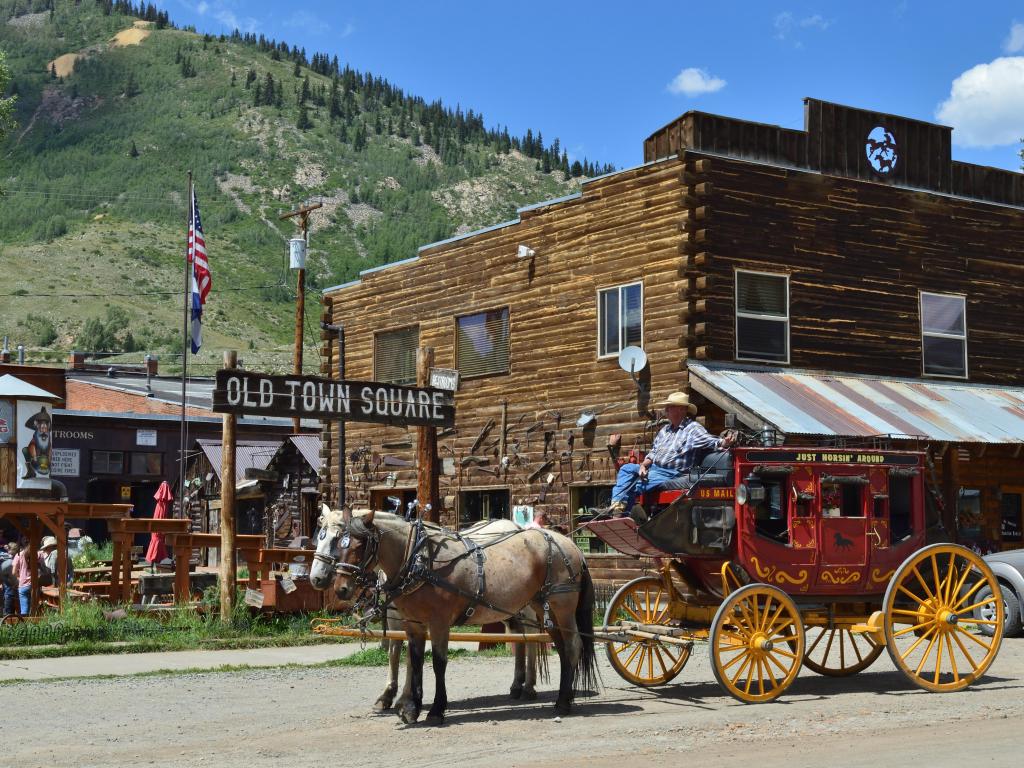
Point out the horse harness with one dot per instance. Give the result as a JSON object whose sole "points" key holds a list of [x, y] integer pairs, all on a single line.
{"points": [[419, 569]]}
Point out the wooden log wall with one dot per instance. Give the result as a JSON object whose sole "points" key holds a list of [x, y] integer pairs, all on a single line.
{"points": [[625, 228], [992, 470], [857, 254], [834, 142]]}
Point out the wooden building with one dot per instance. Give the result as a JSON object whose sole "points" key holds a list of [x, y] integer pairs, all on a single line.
{"points": [[856, 246], [276, 487]]}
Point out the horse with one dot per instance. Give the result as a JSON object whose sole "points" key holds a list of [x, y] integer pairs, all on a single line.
{"points": [[524, 680], [437, 578]]}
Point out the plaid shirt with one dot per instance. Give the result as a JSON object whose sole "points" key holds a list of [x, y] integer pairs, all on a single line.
{"points": [[675, 447]]}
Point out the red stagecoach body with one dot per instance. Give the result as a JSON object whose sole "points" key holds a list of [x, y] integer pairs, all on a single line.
{"points": [[828, 523]]}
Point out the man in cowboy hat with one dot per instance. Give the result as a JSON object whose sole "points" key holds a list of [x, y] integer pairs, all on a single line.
{"points": [[675, 450], [37, 452]]}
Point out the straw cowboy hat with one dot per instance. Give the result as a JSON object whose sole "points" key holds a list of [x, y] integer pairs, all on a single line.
{"points": [[48, 541], [681, 399]]}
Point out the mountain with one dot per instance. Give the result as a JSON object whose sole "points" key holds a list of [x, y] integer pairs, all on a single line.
{"points": [[115, 106]]}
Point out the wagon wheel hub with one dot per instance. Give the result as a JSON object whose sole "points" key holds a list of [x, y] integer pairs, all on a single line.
{"points": [[761, 642], [948, 618]]}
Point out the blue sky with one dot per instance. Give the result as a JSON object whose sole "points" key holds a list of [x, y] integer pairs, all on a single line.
{"points": [[602, 76]]}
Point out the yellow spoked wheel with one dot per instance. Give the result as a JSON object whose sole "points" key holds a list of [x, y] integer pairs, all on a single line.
{"points": [[839, 652], [757, 643], [932, 608], [644, 661]]}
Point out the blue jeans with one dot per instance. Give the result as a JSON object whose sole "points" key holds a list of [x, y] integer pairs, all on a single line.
{"points": [[24, 598], [628, 483], [10, 594]]}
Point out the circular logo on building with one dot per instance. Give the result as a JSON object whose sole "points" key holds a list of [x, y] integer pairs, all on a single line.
{"points": [[881, 150]]}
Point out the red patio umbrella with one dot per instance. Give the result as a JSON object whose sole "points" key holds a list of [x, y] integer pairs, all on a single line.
{"points": [[157, 550]]}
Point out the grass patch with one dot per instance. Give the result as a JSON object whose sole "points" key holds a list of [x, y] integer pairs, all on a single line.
{"points": [[91, 628]]}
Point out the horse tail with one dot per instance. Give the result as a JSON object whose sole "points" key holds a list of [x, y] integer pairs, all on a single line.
{"points": [[586, 676]]}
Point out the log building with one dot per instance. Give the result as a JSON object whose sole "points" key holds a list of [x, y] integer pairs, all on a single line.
{"points": [[840, 282]]}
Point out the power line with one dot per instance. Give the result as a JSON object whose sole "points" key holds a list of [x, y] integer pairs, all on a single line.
{"points": [[131, 293], [112, 197]]}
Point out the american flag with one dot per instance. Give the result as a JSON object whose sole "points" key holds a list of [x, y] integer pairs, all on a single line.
{"points": [[200, 272]]}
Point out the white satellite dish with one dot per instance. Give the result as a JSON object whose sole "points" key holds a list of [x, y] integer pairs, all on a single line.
{"points": [[632, 360]]}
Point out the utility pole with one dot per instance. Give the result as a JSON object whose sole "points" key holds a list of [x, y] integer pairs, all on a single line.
{"points": [[299, 264]]}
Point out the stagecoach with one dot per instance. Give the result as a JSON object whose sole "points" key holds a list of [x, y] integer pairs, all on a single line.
{"points": [[784, 557]]}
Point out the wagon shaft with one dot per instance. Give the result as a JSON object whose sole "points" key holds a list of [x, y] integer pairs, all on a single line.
{"points": [[469, 637]]}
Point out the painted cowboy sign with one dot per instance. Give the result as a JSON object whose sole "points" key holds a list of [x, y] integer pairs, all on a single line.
{"points": [[312, 397]]}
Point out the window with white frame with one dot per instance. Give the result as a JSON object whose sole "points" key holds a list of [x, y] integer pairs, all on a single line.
{"points": [[762, 316], [943, 335], [620, 313]]}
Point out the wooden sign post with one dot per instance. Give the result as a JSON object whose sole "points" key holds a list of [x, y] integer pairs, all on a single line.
{"points": [[426, 448], [228, 566]]}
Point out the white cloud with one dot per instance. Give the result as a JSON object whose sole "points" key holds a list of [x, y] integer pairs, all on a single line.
{"points": [[817, 21], [693, 82], [986, 104], [307, 21], [783, 24], [786, 24], [349, 29], [223, 11], [1015, 41]]}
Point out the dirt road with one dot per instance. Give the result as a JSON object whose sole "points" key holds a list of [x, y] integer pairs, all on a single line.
{"points": [[317, 716]]}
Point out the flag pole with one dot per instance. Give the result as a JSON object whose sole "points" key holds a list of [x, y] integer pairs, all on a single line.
{"points": [[184, 350]]}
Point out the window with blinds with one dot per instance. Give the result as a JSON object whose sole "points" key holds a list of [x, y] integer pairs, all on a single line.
{"points": [[394, 356], [620, 312], [481, 343], [762, 316], [944, 335]]}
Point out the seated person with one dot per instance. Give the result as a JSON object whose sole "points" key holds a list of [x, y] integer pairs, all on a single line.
{"points": [[676, 448]]}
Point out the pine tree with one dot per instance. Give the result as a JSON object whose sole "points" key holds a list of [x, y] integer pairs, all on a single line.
{"points": [[304, 91], [303, 123], [133, 152], [250, 76], [298, 70], [334, 105], [234, 79], [268, 89], [53, 71], [130, 87]]}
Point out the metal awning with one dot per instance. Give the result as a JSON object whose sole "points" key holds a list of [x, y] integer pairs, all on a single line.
{"points": [[804, 402]]}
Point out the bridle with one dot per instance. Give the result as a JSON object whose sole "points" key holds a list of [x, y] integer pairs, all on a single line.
{"points": [[365, 573]]}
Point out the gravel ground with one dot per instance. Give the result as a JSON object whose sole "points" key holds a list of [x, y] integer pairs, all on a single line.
{"points": [[321, 716]]}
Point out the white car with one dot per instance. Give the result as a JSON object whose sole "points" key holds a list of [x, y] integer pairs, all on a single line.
{"points": [[1008, 568]]}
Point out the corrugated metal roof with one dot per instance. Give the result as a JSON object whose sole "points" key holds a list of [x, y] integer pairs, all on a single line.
{"points": [[248, 453], [821, 403], [309, 447]]}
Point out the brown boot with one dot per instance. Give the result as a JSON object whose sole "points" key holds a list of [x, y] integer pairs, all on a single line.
{"points": [[617, 509]]}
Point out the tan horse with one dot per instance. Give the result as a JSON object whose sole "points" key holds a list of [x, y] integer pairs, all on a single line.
{"points": [[437, 579]]}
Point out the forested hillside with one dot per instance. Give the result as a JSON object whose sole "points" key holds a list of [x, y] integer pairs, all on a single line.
{"points": [[114, 107]]}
